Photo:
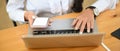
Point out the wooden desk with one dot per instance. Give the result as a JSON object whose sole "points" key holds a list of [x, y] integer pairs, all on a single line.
{"points": [[108, 21]]}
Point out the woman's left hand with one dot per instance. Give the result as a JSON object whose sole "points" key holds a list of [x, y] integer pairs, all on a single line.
{"points": [[85, 18]]}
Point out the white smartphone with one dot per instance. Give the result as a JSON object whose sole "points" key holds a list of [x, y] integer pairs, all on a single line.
{"points": [[40, 22]]}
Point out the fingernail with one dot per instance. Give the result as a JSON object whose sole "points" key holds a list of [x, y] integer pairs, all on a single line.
{"points": [[33, 17], [80, 32], [88, 31]]}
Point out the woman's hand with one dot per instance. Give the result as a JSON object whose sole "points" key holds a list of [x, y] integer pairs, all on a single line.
{"points": [[85, 18], [29, 16]]}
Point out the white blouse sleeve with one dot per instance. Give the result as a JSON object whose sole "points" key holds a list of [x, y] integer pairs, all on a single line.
{"points": [[15, 9], [102, 5]]}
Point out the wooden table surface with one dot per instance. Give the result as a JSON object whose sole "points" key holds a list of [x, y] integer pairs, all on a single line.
{"points": [[108, 21]]}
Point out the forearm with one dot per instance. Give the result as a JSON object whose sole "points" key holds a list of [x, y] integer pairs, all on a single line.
{"points": [[15, 9], [102, 5]]}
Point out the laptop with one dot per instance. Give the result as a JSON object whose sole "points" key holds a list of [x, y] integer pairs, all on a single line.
{"points": [[62, 34]]}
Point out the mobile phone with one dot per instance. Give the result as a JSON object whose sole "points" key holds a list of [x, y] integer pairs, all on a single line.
{"points": [[116, 33], [40, 22]]}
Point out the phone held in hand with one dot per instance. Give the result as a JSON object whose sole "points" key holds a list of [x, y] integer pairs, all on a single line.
{"points": [[40, 22]]}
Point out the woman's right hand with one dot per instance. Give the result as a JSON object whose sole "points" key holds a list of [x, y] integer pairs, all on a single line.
{"points": [[29, 17]]}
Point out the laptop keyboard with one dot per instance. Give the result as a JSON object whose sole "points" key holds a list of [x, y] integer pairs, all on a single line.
{"points": [[44, 32]]}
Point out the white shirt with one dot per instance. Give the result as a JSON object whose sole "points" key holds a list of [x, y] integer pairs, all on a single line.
{"points": [[50, 8]]}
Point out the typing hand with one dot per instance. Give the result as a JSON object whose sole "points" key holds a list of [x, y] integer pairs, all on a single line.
{"points": [[85, 18]]}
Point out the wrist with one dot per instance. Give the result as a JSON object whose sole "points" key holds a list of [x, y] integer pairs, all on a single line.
{"points": [[90, 11], [92, 8]]}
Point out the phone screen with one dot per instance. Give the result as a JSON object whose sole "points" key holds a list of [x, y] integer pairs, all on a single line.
{"points": [[40, 22]]}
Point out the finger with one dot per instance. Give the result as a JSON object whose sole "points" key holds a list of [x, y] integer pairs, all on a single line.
{"points": [[74, 22], [82, 27], [33, 17], [91, 24], [50, 21], [88, 27], [78, 24], [30, 21]]}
